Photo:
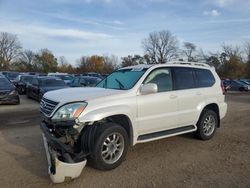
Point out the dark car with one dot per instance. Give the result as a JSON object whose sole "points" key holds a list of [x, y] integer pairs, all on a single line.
{"points": [[93, 74], [8, 93], [236, 85], [42, 84], [22, 82], [85, 81], [11, 75]]}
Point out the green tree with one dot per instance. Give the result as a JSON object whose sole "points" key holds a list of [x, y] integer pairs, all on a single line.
{"points": [[45, 61]]}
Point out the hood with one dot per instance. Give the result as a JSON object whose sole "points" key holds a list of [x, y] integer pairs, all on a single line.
{"points": [[80, 94]]}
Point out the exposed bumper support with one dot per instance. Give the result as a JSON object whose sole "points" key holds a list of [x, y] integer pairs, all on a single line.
{"points": [[59, 170]]}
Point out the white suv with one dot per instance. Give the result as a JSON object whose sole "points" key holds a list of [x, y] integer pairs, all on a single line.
{"points": [[132, 105]]}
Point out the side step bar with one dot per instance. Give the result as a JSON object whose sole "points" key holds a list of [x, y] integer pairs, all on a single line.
{"points": [[166, 132]]}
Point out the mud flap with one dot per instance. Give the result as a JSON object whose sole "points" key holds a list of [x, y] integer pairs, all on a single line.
{"points": [[59, 170]]}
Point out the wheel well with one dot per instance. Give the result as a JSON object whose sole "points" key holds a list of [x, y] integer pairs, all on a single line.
{"points": [[215, 108], [125, 122]]}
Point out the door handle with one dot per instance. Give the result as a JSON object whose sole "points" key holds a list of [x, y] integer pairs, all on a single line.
{"points": [[173, 96]]}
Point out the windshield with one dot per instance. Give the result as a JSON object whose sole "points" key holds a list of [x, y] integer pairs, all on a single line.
{"points": [[26, 79], [12, 75], [4, 83], [52, 82], [93, 80], [122, 79], [65, 77]]}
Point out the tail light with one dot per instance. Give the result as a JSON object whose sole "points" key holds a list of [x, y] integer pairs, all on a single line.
{"points": [[222, 88]]}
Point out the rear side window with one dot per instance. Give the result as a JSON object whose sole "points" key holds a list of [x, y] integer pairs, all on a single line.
{"points": [[184, 78], [204, 78]]}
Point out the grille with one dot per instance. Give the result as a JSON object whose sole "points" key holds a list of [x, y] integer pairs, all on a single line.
{"points": [[47, 106]]}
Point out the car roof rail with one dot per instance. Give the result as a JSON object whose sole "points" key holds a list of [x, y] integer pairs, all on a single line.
{"points": [[190, 63]]}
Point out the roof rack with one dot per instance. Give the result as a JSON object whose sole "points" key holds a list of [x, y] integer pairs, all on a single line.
{"points": [[190, 63]]}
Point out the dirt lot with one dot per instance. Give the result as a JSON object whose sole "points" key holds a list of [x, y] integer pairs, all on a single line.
{"points": [[180, 161]]}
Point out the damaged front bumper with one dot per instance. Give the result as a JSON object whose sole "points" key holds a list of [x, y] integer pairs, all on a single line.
{"points": [[58, 170], [66, 154]]}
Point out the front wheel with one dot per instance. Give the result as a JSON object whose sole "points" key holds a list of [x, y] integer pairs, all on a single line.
{"points": [[110, 147], [207, 125]]}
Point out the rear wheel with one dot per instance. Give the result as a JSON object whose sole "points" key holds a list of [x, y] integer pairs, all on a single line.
{"points": [[207, 125], [110, 147]]}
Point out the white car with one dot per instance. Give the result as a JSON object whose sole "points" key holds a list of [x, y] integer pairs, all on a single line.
{"points": [[132, 105]]}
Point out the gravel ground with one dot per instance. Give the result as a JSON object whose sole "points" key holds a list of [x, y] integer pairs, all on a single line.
{"points": [[180, 161]]}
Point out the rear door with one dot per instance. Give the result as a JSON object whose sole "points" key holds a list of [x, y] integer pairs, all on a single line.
{"points": [[189, 96]]}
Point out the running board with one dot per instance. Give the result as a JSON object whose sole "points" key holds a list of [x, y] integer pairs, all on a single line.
{"points": [[166, 132]]}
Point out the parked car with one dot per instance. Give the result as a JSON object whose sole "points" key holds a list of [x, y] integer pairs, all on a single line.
{"points": [[21, 83], [64, 76], [11, 75], [84, 81], [226, 84], [41, 84], [8, 93], [236, 85], [93, 74], [132, 105], [243, 81]]}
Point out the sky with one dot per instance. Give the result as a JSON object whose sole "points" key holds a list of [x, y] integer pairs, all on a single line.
{"points": [[75, 28]]}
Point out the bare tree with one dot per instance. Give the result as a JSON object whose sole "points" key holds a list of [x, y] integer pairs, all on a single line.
{"points": [[189, 49], [231, 51], [247, 50], [9, 49], [160, 46]]}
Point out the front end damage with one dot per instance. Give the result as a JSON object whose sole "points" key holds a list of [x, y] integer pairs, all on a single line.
{"points": [[67, 145]]}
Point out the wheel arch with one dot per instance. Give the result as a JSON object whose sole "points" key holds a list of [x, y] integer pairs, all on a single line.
{"points": [[124, 121], [215, 108]]}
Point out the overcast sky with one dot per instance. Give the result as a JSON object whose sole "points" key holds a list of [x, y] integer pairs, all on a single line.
{"points": [[73, 28]]}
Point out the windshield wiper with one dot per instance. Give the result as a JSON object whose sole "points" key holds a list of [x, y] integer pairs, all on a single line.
{"points": [[120, 84]]}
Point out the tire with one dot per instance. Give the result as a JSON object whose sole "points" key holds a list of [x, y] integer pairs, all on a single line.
{"points": [[207, 124], [103, 145]]}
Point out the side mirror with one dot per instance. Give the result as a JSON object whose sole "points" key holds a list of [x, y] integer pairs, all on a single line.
{"points": [[148, 89]]}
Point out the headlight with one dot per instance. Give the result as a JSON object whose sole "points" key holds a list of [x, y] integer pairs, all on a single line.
{"points": [[69, 111]]}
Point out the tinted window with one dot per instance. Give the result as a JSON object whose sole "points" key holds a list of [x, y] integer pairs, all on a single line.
{"points": [[162, 78], [4, 83], [26, 79], [76, 80], [184, 78], [204, 78], [52, 82], [34, 81]]}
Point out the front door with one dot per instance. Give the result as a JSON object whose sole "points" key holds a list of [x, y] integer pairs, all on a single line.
{"points": [[157, 111]]}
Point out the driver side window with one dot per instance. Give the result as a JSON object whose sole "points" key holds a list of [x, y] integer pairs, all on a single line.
{"points": [[162, 78]]}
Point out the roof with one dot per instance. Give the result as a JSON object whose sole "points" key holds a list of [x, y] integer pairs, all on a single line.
{"points": [[171, 63]]}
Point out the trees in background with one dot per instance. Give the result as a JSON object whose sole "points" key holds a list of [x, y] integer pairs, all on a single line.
{"points": [[134, 60], [99, 64], [10, 49], [189, 49], [247, 51], [160, 47]]}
